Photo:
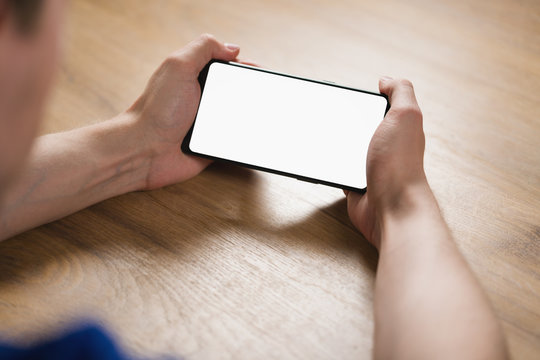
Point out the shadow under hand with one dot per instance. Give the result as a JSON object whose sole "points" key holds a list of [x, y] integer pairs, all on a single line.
{"points": [[334, 230]]}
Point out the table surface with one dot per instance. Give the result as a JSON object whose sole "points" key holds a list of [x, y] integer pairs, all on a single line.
{"points": [[240, 264]]}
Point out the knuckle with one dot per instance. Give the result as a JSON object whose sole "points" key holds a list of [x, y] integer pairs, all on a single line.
{"points": [[175, 60], [408, 112], [207, 38], [405, 83], [178, 62]]}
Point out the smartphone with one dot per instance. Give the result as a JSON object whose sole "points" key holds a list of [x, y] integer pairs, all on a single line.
{"points": [[306, 129]]}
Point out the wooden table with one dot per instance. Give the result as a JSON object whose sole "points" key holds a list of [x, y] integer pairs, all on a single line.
{"points": [[237, 264]]}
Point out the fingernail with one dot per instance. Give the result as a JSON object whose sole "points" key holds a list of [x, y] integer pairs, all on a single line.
{"points": [[232, 47], [386, 78]]}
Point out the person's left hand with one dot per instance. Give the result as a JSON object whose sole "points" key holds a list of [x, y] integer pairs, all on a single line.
{"points": [[165, 111]]}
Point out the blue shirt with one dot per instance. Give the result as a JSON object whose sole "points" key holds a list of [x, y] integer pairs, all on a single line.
{"points": [[87, 343]]}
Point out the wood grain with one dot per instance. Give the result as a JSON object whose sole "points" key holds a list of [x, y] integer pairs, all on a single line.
{"points": [[240, 264]]}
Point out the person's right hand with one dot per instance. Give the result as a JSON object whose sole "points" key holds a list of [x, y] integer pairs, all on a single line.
{"points": [[394, 163]]}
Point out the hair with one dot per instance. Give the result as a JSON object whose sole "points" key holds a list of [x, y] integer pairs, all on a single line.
{"points": [[26, 13]]}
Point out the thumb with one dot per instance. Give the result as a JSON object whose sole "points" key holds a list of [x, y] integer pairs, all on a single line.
{"points": [[400, 92], [205, 48]]}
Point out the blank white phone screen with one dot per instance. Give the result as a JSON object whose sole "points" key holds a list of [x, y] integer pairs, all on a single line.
{"points": [[286, 124]]}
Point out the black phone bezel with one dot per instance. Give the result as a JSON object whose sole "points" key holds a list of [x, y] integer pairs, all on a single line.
{"points": [[202, 80]]}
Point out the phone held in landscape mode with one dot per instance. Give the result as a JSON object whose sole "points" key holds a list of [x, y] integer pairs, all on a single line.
{"points": [[306, 129]]}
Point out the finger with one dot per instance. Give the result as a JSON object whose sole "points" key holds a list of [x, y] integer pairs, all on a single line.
{"points": [[195, 164], [248, 62], [353, 195], [353, 198], [205, 48], [400, 92]]}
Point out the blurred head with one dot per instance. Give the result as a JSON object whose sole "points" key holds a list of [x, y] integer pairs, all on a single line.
{"points": [[29, 32]]}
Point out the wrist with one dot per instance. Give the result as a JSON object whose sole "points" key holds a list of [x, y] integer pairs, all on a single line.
{"points": [[409, 210], [410, 198], [121, 151]]}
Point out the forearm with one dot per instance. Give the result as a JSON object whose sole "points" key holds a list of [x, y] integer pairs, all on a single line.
{"points": [[428, 303], [69, 171]]}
